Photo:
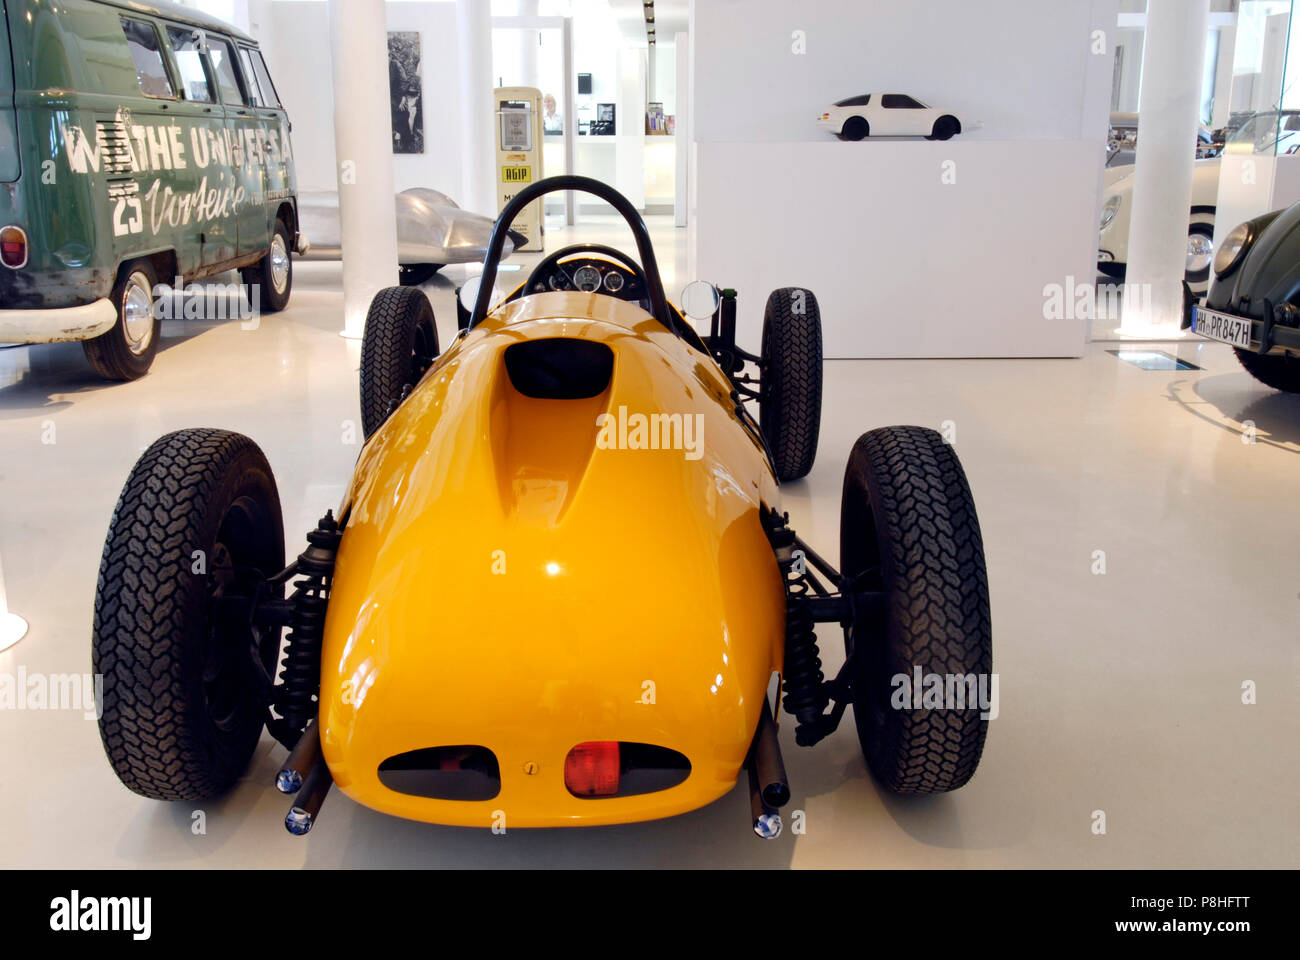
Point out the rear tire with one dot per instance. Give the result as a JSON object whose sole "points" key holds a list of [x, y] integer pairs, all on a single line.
{"points": [[1278, 372], [400, 343], [270, 281], [182, 708], [945, 128], [127, 349], [855, 128], [908, 528], [790, 408]]}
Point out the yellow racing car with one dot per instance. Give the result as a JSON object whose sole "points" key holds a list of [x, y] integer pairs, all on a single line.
{"points": [[560, 589]]}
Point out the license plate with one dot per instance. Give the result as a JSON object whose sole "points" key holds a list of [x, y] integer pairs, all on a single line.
{"points": [[1222, 327]]}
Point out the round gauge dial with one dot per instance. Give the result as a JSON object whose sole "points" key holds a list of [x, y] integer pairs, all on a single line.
{"points": [[613, 281], [587, 279], [557, 281]]}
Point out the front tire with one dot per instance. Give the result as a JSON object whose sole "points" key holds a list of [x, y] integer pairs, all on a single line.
{"points": [[198, 521], [270, 281], [908, 528], [400, 343], [855, 128], [127, 349], [790, 403], [1278, 372]]}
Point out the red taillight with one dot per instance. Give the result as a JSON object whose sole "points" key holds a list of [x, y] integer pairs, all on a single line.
{"points": [[13, 247], [591, 769]]}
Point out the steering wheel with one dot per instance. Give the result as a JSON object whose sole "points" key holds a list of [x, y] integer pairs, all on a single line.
{"points": [[543, 269], [648, 273]]}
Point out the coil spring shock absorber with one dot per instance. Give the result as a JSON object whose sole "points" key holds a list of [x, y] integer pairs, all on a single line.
{"points": [[806, 694], [299, 684]]}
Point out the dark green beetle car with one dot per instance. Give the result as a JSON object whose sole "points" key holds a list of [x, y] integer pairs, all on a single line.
{"points": [[1254, 303], [140, 144]]}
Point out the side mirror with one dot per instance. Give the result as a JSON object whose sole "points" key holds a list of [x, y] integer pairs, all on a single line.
{"points": [[469, 295], [699, 300]]}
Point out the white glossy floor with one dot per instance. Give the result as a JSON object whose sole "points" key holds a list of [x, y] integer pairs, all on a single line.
{"points": [[1119, 692]]}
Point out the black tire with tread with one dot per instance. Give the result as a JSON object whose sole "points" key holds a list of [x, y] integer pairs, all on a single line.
{"points": [[790, 408], [908, 527], [855, 128], [945, 128], [1279, 371], [108, 354], [154, 635], [399, 343], [259, 276]]}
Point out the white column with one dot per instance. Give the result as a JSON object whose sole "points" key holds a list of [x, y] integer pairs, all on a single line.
{"points": [[12, 627], [629, 148], [682, 133], [363, 145], [1172, 68], [529, 71], [477, 111], [570, 120]]}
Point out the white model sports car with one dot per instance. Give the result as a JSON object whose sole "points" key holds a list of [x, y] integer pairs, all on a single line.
{"points": [[888, 115]]}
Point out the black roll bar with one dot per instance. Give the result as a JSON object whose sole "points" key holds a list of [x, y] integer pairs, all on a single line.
{"points": [[658, 301]]}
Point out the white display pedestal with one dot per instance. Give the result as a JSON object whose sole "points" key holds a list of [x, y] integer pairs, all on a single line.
{"points": [[12, 627], [913, 248]]}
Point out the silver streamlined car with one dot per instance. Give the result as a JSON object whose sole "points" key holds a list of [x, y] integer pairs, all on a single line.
{"points": [[432, 231]]}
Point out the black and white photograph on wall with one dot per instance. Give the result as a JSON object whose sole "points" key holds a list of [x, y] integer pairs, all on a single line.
{"points": [[404, 91]]}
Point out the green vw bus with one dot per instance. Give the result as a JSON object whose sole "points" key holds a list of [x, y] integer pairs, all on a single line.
{"points": [[141, 143]]}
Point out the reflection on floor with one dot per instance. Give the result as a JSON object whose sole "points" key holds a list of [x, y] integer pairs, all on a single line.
{"points": [[1120, 691]]}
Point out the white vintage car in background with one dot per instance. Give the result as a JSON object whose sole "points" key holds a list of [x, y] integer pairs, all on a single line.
{"points": [[1267, 133], [888, 115], [1117, 208]]}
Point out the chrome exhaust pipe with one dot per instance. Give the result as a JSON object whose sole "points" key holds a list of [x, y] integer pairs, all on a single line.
{"points": [[306, 805], [768, 788], [767, 822], [768, 764], [302, 760]]}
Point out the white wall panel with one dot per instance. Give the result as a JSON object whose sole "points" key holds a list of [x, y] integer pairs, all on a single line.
{"points": [[904, 265]]}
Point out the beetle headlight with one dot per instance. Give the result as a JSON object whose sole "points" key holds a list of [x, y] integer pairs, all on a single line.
{"points": [[1109, 209], [1231, 250]]}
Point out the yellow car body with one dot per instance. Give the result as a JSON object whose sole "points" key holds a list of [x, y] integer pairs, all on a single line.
{"points": [[509, 579]]}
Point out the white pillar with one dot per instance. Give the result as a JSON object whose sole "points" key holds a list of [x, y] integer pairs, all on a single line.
{"points": [[1172, 68], [363, 145], [682, 131], [570, 119], [477, 111], [529, 55], [629, 118], [12, 627]]}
